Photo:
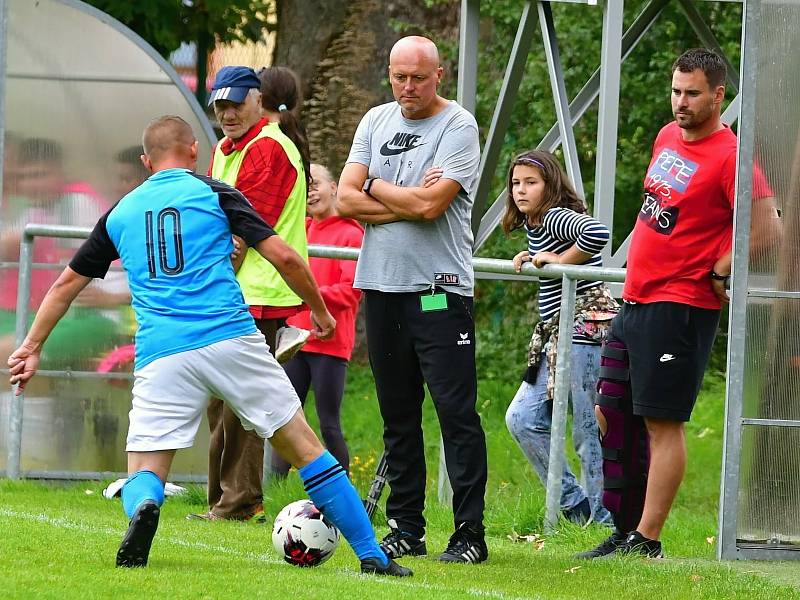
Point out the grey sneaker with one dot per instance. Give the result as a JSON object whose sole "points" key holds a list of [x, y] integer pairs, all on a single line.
{"points": [[288, 342], [580, 514]]}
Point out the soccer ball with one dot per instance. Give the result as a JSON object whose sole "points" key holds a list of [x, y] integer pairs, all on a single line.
{"points": [[303, 536]]}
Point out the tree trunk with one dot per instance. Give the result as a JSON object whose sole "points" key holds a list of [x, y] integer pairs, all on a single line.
{"points": [[204, 44]]}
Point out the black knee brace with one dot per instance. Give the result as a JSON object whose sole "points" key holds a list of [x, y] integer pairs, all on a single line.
{"points": [[626, 445]]}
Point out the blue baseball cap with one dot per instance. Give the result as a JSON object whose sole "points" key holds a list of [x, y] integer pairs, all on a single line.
{"points": [[233, 83]]}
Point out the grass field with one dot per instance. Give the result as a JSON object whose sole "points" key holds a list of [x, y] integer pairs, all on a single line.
{"points": [[59, 541]]}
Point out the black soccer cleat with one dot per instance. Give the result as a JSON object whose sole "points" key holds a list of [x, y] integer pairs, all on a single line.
{"points": [[399, 543], [135, 546], [635, 544], [607, 546], [465, 546], [372, 566]]}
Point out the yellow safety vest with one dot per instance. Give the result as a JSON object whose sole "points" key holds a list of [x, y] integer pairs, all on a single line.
{"points": [[261, 283]]}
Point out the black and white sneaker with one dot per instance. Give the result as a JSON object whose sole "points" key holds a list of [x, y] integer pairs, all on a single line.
{"points": [[135, 547], [637, 544], [607, 546], [372, 566], [466, 546], [399, 543]]}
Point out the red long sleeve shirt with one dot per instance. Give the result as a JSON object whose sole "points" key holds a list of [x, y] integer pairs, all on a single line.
{"points": [[335, 280]]}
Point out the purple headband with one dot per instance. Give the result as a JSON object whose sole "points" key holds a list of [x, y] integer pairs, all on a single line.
{"points": [[530, 160]]}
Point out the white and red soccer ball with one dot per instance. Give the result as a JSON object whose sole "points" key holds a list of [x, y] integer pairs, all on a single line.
{"points": [[303, 536]]}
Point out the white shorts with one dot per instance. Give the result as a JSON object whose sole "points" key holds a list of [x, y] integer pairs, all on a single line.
{"points": [[171, 393]]}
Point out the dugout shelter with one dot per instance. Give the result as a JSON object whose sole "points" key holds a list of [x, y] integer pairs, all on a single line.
{"points": [[78, 88]]}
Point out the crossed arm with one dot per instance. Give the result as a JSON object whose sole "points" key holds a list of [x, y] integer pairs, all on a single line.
{"points": [[387, 202]]}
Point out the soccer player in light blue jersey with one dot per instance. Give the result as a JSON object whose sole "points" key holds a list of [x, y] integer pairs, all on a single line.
{"points": [[196, 337]]}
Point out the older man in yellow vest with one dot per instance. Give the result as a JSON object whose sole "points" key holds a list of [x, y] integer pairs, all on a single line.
{"points": [[256, 158]]}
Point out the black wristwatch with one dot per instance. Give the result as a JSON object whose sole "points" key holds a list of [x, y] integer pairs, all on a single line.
{"points": [[717, 277], [368, 185]]}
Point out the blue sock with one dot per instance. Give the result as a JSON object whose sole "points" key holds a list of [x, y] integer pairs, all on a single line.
{"points": [[141, 486], [332, 493]]}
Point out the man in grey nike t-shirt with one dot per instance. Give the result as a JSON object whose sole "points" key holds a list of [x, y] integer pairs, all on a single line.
{"points": [[410, 178]]}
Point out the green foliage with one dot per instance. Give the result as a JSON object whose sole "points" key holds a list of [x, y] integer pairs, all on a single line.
{"points": [[167, 23]]}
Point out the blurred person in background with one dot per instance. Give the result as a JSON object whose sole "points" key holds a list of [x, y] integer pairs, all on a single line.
{"points": [[45, 195], [11, 147], [129, 172]]}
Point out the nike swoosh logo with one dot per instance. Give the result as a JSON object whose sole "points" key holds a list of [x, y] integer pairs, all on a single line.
{"points": [[666, 358], [386, 151]]}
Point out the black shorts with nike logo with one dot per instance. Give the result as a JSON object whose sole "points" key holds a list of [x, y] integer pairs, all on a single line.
{"points": [[669, 345]]}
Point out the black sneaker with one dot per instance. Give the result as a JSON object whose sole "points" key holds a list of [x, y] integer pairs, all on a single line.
{"points": [[637, 544], [465, 546], [607, 546], [135, 546], [399, 543], [580, 514], [372, 566]]}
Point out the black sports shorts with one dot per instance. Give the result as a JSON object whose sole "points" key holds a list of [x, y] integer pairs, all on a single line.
{"points": [[669, 345]]}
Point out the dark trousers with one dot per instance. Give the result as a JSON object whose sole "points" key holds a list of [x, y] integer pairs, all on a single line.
{"points": [[236, 456], [407, 349], [327, 374]]}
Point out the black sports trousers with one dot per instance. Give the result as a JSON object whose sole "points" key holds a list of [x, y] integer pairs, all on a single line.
{"points": [[327, 374], [669, 344], [407, 349]]}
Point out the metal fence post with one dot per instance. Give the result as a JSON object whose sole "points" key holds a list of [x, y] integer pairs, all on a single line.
{"points": [[560, 401], [727, 547], [3, 86], [13, 463], [444, 489]]}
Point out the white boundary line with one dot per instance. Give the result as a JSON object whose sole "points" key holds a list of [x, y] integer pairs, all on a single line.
{"points": [[118, 532], [64, 523]]}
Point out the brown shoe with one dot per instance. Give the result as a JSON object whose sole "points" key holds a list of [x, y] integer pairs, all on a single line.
{"points": [[206, 516], [258, 515]]}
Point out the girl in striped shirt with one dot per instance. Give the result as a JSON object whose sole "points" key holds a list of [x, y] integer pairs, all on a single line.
{"points": [[542, 200]]}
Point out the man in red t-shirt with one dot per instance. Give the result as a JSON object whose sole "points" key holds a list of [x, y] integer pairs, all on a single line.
{"points": [[678, 264]]}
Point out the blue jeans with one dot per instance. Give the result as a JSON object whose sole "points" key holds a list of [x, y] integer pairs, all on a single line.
{"points": [[529, 418]]}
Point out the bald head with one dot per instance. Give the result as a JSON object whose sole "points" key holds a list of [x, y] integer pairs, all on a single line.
{"points": [[415, 48], [414, 73], [169, 142]]}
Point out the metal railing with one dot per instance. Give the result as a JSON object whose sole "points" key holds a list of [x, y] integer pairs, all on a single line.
{"points": [[569, 274]]}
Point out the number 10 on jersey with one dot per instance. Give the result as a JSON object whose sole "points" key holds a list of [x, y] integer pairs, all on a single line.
{"points": [[169, 240]]}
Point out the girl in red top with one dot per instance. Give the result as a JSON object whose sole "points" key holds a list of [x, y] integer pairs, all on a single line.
{"points": [[323, 364]]}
